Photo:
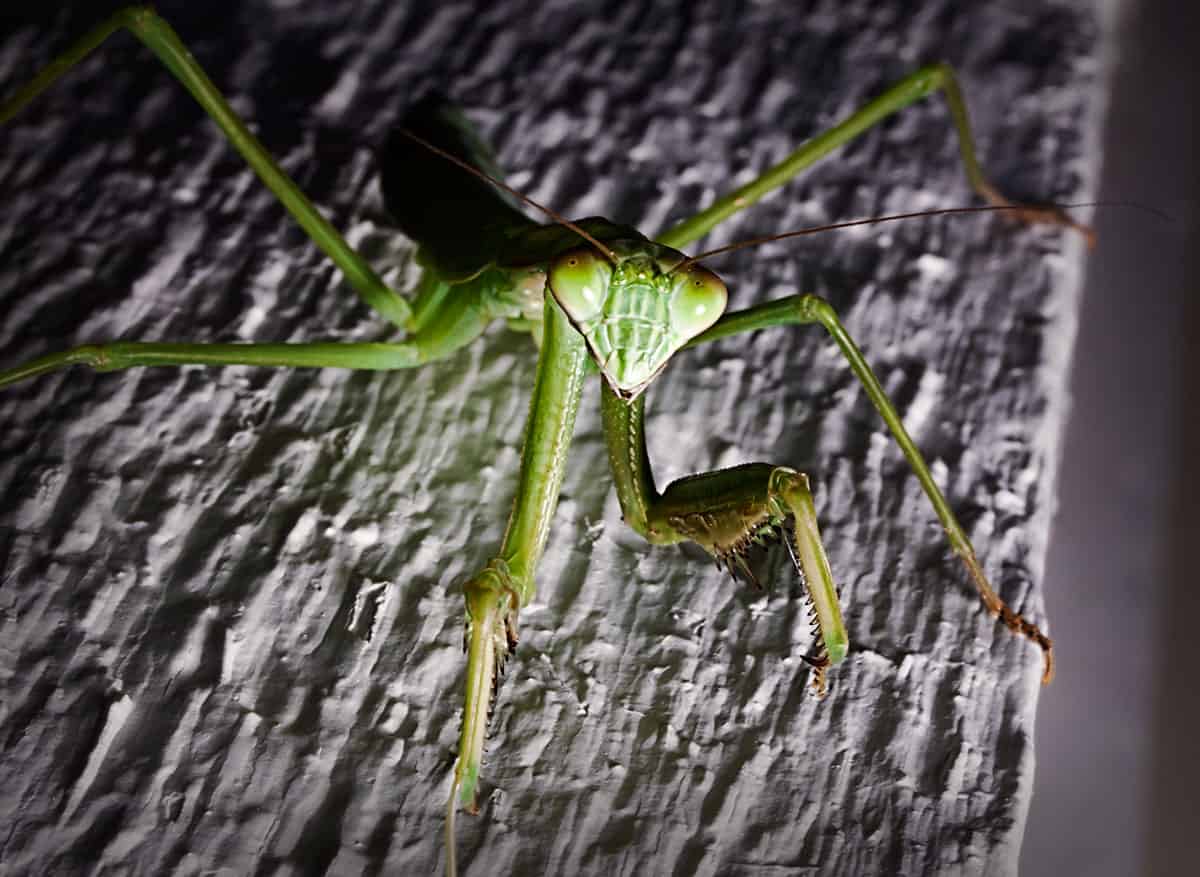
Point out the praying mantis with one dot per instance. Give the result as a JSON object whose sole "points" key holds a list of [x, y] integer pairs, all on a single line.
{"points": [[481, 525]]}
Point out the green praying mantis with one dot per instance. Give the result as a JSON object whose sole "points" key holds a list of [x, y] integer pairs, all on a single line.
{"points": [[587, 299]]}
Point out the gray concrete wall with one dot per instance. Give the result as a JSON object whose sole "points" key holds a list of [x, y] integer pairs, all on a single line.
{"points": [[232, 620]]}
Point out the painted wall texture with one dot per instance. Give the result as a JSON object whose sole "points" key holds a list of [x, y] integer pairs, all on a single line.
{"points": [[232, 621]]}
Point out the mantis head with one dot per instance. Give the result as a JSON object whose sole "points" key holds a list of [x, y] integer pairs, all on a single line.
{"points": [[636, 309]]}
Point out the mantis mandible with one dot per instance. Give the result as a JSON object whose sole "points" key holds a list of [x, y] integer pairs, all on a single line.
{"points": [[491, 587]]}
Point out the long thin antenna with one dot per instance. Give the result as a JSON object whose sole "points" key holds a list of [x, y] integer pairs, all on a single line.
{"points": [[946, 211], [499, 184]]}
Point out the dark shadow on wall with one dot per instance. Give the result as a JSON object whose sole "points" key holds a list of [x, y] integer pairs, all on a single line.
{"points": [[1176, 767]]}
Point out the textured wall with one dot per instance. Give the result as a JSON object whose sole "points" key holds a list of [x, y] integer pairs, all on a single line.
{"points": [[231, 617]]}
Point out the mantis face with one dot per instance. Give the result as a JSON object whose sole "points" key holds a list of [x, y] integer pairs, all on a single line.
{"points": [[635, 313]]}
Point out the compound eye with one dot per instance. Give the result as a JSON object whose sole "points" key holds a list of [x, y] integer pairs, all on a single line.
{"points": [[699, 300], [579, 281]]}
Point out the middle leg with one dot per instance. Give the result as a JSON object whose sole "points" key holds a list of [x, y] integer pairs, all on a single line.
{"points": [[446, 324]]}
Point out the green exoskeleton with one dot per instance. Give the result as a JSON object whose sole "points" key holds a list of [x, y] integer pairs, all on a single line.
{"points": [[598, 298]]}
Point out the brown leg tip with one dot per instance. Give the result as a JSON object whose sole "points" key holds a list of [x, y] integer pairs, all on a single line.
{"points": [[1037, 214], [1048, 670]]}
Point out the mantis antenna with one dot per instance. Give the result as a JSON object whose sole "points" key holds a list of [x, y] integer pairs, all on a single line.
{"points": [[1089, 235], [945, 211]]}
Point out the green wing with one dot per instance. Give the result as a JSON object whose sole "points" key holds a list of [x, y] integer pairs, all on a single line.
{"points": [[464, 224], [460, 222]]}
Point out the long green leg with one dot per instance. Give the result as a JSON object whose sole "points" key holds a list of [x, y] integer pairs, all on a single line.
{"points": [[496, 594], [908, 90], [806, 309], [446, 323], [128, 354], [152, 30]]}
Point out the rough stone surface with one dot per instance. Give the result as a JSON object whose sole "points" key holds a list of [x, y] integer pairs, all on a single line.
{"points": [[231, 618]]}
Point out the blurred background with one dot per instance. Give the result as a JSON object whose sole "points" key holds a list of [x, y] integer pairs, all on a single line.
{"points": [[1116, 767]]}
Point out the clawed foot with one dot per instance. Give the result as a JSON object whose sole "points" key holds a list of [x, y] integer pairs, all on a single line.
{"points": [[1037, 214]]}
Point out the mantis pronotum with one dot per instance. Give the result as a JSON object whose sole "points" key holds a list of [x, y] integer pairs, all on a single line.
{"points": [[466, 571]]}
